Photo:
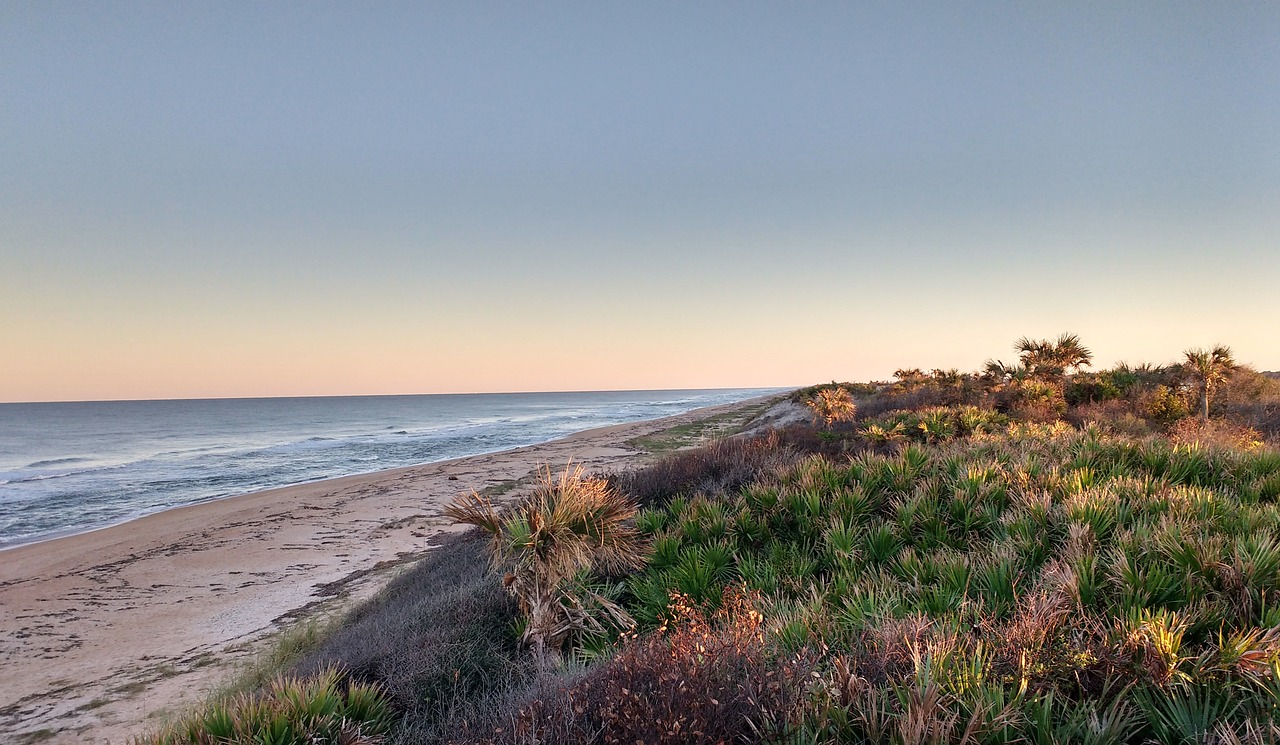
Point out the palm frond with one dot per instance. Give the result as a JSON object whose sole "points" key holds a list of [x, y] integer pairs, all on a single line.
{"points": [[473, 509]]}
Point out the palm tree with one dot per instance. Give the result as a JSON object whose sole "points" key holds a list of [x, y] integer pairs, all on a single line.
{"points": [[832, 405], [909, 380], [568, 526], [1071, 353], [997, 373], [1050, 360], [952, 378], [1207, 368]]}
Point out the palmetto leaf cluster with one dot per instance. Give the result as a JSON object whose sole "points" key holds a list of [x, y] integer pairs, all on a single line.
{"points": [[570, 525], [832, 405]]}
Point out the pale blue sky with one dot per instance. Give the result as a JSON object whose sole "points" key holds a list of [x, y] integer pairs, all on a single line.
{"points": [[306, 198]]}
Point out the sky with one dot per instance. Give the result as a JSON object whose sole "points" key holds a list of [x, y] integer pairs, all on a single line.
{"points": [[311, 198]]}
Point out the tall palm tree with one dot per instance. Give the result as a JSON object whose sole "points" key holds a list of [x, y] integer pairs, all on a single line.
{"points": [[1207, 368], [569, 525]]}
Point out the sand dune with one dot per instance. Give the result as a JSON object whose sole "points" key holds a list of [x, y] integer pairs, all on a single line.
{"points": [[104, 633]]}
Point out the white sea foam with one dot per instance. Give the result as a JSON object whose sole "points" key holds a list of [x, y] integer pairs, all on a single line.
{"points": [[146, 456]]}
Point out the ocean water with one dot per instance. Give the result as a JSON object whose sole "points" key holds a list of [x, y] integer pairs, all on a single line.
{"points": [[70, 467]]}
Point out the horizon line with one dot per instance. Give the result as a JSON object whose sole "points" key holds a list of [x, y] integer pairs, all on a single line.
{"points": [[392, 395]]}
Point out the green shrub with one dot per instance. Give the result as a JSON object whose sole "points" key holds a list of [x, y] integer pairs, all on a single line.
{"points": [[1165, 406]]}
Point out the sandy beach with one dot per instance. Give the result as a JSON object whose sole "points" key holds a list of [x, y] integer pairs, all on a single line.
{"points": [[105, 633]]}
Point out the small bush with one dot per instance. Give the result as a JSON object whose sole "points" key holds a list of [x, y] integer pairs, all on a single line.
{"points": [[970, 394], [933, 424], [1033, 400], [857, 389], [1117, 416], [1215, 433], [1252, 399], [548, 544], [832, 405], [698, 679], [1165, 405]]}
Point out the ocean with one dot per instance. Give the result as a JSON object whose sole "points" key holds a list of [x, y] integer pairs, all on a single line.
{"points": [[71, 467]]}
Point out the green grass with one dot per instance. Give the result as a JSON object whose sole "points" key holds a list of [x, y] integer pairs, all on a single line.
{"points": [[257, 673], [288, 711], [682, 436], [278, 654], [1052, 565]]}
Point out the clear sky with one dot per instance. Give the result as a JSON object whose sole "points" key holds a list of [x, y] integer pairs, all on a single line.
{"points": [[244, 199]]}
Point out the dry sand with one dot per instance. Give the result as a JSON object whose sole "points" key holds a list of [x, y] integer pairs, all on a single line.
{"points": [[104, 634]]}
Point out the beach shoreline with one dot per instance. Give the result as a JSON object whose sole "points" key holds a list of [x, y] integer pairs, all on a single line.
{"points": [[104, 632], [123, 460]]}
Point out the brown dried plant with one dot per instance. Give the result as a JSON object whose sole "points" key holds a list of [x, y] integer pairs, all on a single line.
{"points": [[569, 525], [701, 678]]}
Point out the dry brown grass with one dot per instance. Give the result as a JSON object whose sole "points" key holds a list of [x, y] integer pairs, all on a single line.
{"points": [[569, 525], [700, 679]]}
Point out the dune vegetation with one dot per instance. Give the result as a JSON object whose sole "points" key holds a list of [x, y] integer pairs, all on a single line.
{"points": [[1032, 552]]}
